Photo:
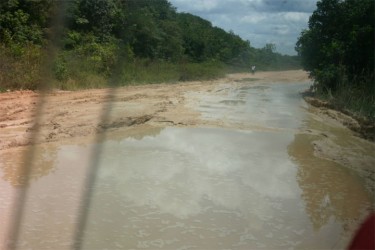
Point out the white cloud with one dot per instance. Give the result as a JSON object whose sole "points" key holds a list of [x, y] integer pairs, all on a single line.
{"points": [[253, 18], [197, 5], [296, 16], [282, 29], [259, 21]]}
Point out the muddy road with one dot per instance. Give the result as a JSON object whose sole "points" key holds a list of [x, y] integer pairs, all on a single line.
{"points": [[237, 163]]}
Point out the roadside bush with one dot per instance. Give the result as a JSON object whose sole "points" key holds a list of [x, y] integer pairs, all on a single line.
{"points": [[357, 96], [20, 67], [60, 69], [97, 57], [201, 71], [158, 71]]}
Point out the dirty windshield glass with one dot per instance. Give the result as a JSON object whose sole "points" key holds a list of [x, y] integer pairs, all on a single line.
{"points": [[176, 124]]}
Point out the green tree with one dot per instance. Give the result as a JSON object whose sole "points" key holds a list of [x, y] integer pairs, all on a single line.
{"points": [[23, 21], [97, 33], [338, 43]]}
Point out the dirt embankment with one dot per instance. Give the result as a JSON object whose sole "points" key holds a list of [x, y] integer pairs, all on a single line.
{"points": [[362, 126], [65, 114]]}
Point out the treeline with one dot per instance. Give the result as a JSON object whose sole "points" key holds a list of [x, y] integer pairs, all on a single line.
{"points": [[338, 51], [153, 42]]}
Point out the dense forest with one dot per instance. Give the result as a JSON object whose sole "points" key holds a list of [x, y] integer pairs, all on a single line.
{"points": [[81, 43], [338, 51]]}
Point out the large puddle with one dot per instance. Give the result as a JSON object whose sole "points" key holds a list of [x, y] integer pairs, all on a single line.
{"points": [[198, 188], [259, 107]]}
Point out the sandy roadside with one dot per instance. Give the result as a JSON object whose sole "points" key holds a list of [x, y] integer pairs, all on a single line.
{"points": [[362, 126], [66, 115]]}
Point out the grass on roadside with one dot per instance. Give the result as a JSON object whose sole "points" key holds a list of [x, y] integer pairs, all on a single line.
{"points": [[356, 97], [72, 72]]}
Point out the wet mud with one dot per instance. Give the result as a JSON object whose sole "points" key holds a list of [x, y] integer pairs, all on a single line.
{"points": [[250, 166], [363, 126]]}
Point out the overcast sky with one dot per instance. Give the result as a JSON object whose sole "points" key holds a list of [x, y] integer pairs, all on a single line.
{"points": [[260, 21]]}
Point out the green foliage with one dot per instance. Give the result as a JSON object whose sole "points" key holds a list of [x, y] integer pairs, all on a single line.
{"points": [[60, 69], [12, 67], [148, 71], [338, 51], [339, 41], [141, 71], [359, 98], [21, 21], [99, 57], [156, 43], [201, 71]]}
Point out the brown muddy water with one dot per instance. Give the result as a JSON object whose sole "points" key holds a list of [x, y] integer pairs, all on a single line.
{"points": [[257, 184]]}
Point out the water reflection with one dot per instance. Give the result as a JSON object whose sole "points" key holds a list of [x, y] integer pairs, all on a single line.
{"points": [[329, 189], [52, 199], [202, 188], [262, 105], [208, 188], [192, 164], [12, 164]]}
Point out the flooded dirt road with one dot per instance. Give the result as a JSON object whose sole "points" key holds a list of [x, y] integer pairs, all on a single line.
{"points": [[260, 170]]}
